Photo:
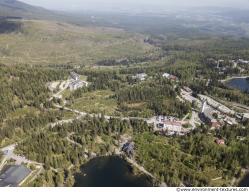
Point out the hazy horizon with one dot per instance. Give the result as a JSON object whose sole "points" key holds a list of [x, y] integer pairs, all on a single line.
{"points": [[97, 5]]}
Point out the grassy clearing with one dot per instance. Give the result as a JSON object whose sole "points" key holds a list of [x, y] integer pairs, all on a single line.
{"points": [[43, 42], [96, 102], [21, 112]]}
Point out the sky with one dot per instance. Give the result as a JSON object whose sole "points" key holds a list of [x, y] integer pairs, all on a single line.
{"points": [[71, 5]]}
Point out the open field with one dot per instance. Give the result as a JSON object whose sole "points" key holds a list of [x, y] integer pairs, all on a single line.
{"points": [[48, 43], [96, 102]]}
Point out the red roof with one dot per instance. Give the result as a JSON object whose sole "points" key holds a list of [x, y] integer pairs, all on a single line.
{"points": [[220, 141]]}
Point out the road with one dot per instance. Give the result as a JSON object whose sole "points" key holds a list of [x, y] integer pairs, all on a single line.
{"points": [[82, 114], [63, 86], [71, 141]]}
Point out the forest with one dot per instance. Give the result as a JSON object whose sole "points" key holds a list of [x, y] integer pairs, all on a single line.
{"points": [[195, 160], [21, 89], [93, 135], [26, 113]]}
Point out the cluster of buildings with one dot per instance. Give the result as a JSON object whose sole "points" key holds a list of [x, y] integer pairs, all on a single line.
{"points": [[215, 117], [14, 175], [144, 76], [75, 82], [209, 115], [224, 65], [169, 125]]}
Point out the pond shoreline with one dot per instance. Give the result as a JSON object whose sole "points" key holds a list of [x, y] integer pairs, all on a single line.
{"points": [[239, 83], [110, 170], [244, 179], [233, 77]]}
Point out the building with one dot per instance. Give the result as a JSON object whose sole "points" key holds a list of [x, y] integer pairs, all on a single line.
{"points": [[75, 76], [140, 76], [170, 77], [128, 148], [74, 85], [14, 175], [170, 125], [166, 75], [220, 141], [207, 115], [234, 63], [219, 63], [245, 117], [242, 61], [187, 89]]}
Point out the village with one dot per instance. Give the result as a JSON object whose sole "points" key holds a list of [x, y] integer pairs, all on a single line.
{"points": [[207, 110], [16, 170]]}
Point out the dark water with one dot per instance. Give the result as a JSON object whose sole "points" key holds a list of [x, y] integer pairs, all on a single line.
{"points": [[245, 181], [109, 172], [239, 83]]}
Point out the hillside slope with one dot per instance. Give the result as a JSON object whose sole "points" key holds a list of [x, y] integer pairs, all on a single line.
{"points": [[47, 42], [14, 8]]}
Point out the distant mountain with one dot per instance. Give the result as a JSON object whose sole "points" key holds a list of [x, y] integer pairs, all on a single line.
{"points": [[14, 8], [18, 9]]}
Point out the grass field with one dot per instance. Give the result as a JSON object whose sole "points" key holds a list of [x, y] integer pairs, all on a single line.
{"points": [[45, 42], [96, 102]]}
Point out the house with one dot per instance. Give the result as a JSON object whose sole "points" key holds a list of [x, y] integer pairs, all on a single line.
{"points": [[170, 77], [220, 141], [187, 89], [14, 175], [219, 63], [207, 115], [242, 61], [234, 63], [75, 76], [166, 75], [128, 148], [140, 76], [245, 117], [169, 124], [74, 85]]}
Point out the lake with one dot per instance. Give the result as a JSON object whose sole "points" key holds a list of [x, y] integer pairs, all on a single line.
{"points": [[239, 83], [110, 171], [245, 181]]}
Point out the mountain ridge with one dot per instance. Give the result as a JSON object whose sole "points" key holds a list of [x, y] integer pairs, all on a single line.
{"points": [[15, 8]]}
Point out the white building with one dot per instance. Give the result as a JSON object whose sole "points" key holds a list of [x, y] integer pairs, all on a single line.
{"points": [[74, 76], [242, 61], [140, 76], [166, 75], [169, 124], [74, 85], [169, 76]]}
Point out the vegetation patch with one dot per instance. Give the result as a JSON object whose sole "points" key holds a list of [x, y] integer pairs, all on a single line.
{"points": [[96, 102]]}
